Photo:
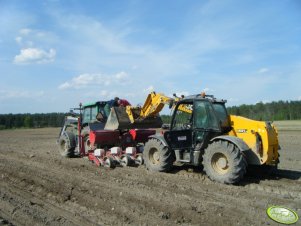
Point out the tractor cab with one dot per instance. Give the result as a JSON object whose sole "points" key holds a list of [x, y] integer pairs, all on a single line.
{"points": [[94, 115]]}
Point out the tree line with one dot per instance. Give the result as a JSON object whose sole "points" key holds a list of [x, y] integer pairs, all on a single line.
{"points": [[281, 110], [274, 111], [10, 121]]}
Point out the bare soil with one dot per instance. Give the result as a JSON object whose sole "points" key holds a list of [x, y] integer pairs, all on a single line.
{"points": [[39, 187]]}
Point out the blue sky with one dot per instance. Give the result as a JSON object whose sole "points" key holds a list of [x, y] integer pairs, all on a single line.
{"points": [[55, 54]]}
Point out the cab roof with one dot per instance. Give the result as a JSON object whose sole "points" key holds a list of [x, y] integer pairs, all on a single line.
{"points": [[95, 103], [210, 98]]}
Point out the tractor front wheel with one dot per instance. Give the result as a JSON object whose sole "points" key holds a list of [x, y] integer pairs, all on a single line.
{"points": [[223, 162], [67, 144], [157, 157]]}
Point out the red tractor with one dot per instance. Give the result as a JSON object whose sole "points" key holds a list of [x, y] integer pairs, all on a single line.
{"points": [[83, 134]]}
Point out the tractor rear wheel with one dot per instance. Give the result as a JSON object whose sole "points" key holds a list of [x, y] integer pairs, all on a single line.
{"points": [[157, 157], [223, 162], [67, 144]]}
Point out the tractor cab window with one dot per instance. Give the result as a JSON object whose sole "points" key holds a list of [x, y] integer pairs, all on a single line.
{"points": [[86, 115], [183, 117], [89, 114], [94, 111], [102, 111], [204, 116]]}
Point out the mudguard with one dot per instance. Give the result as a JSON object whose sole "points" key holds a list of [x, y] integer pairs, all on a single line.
{"points": [[250, 156], [160, 138]]}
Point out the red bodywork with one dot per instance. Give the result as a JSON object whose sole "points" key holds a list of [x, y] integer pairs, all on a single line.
{"points": [[104, 137], [107, 139], [141, 135]]}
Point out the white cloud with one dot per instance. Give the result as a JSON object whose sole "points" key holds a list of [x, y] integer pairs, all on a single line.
{"points": [[121, 76], [263, 70], [25, 31], [208, 90], [134, 67], [18, 94], [27, 39], [19, 40], [149, 89], [104, 93], [34, 55], [232, 99], [85, 80]]}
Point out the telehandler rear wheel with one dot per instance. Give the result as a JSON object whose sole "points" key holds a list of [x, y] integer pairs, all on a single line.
{"points": [[223, 162], [157, 157]]}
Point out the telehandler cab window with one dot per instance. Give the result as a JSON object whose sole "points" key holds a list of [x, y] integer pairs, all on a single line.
{"points": [[204, 116], [183, 119], [222, 115]]}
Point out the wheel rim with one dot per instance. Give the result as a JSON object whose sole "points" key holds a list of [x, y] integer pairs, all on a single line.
{"points": [[154, 156], [107, 163], [87, 144], [139, 159], [220, 163], [124, 161], [63, 146]]}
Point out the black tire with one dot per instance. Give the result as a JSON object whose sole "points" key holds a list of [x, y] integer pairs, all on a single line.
{"points": [[109, 163], [223, 162], [139, 159], [67, 144], [86, 139], [125, 160], [157, 157]]}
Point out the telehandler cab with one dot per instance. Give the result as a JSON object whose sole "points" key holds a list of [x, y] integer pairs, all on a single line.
{"points": [[208, 136]]}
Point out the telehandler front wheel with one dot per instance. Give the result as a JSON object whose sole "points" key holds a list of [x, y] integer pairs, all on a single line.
{"points": [[157, 157], [223, 162]]}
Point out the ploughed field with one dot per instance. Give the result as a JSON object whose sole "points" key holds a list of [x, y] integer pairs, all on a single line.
{"points": [[39, 187]]}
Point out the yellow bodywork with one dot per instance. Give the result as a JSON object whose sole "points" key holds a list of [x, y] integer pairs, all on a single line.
{"points": [[261, 137]]}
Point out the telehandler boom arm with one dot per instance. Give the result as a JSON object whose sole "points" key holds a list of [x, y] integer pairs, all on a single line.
{"points": [[146, 116], [154, 104]]}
